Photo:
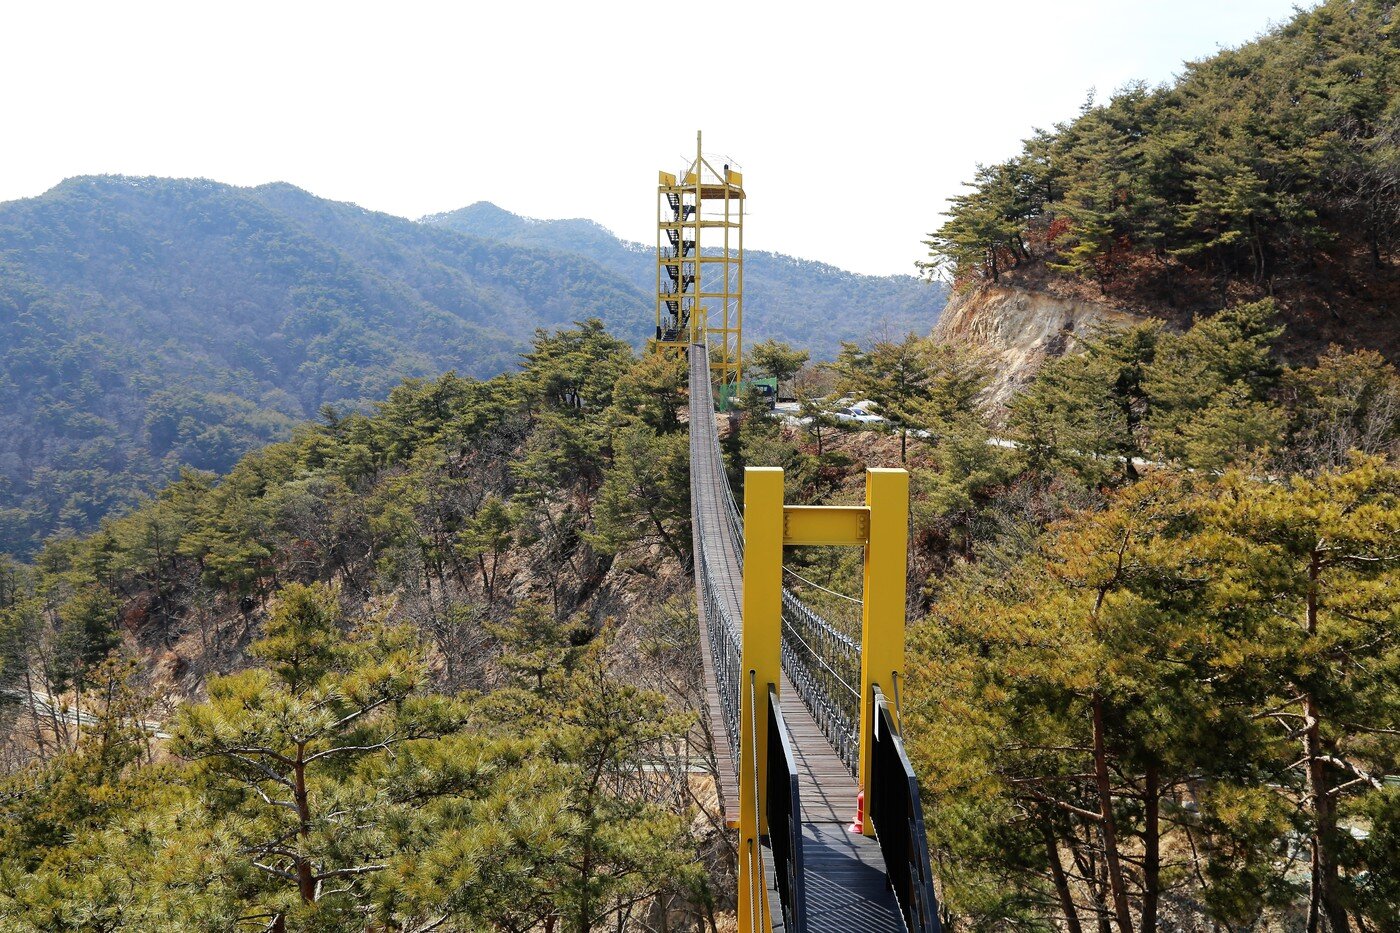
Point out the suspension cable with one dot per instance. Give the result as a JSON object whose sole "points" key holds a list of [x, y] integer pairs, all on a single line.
{"points": [[818, 586]]}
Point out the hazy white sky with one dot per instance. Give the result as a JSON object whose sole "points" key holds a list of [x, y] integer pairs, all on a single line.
{"points": [[853, 121]]}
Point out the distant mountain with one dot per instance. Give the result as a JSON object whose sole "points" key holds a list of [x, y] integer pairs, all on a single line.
{"points": [[148, 323], [808, 304]]}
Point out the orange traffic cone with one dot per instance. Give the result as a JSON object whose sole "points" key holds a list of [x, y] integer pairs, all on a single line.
{"points": [[859, 825]]}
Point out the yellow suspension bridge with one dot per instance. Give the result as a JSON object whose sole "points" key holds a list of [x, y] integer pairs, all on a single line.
{"points": [[802, 716]]}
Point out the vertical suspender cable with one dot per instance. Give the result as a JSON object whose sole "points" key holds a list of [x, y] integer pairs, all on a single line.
{"points": [[757, 821]]}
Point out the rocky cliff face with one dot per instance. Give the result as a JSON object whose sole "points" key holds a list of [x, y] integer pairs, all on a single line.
{"points": [[1020, 327]]}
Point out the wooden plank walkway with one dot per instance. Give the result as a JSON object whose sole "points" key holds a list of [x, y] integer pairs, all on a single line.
{"points": [[845, 872], [826, 788]]}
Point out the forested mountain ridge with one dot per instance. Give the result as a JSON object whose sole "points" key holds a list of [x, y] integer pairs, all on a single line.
{"points": [[151, 323], [806, 303], [1270, 170], [475, 603]]}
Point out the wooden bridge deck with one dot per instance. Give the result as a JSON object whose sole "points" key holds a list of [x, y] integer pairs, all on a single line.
{"points": [[845, 872]]}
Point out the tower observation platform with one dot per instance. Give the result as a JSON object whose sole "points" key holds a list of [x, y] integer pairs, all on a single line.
{"points": [[700, 263]]}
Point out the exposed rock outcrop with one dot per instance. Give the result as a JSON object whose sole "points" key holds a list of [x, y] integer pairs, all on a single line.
{"points": [[1021, 327]]}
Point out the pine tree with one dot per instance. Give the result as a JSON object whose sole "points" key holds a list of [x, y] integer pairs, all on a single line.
{"points": [[1222, 366], [776, 359], [278, 747], [895, 376], [645, 497], [1085, 411], [1317, 560]]}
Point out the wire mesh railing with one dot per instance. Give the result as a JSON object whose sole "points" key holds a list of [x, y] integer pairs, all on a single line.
{"points": [[726, 646], [823, 665]]}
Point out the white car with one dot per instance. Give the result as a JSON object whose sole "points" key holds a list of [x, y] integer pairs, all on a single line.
{"points": [[858, 413]]}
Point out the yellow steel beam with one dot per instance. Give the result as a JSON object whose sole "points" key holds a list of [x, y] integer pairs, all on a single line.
{"points": [[760, 665], [698, 312], [739, 298], [690, 224], [882, 617], [826, 524]]}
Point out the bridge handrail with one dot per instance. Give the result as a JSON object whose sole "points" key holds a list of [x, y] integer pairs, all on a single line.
{"points": [[722, 628], [824, 667], [726, 644], [898, 816], [785, 818]]}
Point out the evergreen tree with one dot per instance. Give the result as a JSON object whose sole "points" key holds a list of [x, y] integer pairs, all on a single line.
{"points": [[279, 747], [895, 376], [654, 391], [1317, 562], [1208, 388], [1086, 410], [486, 539], [645, 497], [1078, 702], [776, 359]]}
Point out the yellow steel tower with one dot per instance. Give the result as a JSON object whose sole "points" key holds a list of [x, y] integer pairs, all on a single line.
{"points": [[700, 264]]}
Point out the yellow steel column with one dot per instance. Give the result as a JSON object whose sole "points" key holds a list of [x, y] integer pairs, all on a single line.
{"points": [[761, 665], [882, 637], [697, 335], [739, 305], [660, 235], [725, 267]]}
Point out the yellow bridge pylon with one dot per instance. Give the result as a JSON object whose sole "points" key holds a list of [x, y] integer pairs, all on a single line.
{"points": [[881, 527]]}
